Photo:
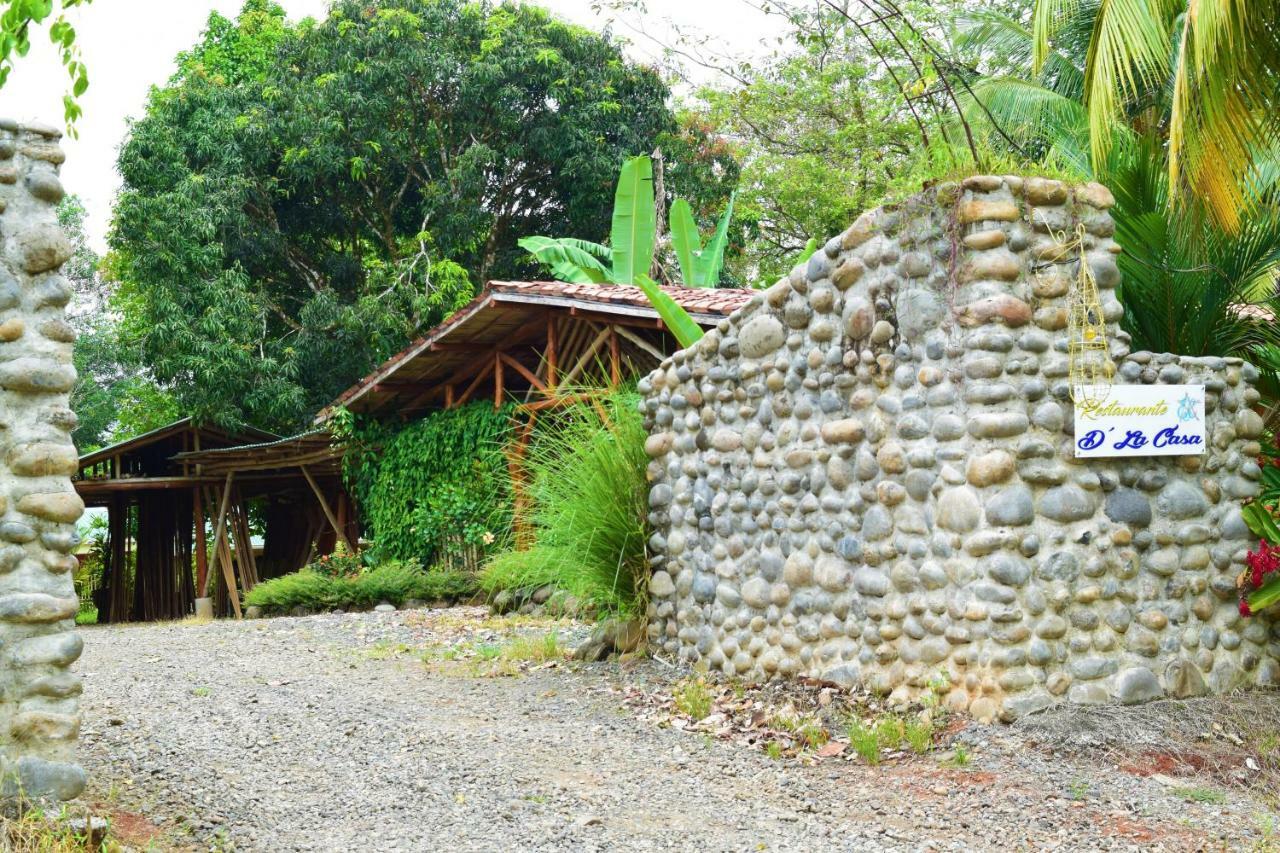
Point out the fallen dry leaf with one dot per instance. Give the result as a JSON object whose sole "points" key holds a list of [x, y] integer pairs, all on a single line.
{"points": [[831, 748]]}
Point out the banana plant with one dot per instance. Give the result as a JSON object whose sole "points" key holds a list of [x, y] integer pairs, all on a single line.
{"points": [[631, 239], [699, 266], [628, 257]]}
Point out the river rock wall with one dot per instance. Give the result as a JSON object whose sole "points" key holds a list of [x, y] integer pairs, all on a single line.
{"points": [[866, 475], [39, 717]]}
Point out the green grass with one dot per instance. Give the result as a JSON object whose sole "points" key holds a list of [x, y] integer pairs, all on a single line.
{"points": [[959, 757], [773, 749], [863, 741], [391, 582], [918, 733], [692, 698], [88, 615], [587, 510], [1197, 794], [38, 831], [808, 732], [534, 649]]}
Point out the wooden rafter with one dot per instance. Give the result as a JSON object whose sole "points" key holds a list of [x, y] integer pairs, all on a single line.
{"points": [[587, 354], [632, 337]]}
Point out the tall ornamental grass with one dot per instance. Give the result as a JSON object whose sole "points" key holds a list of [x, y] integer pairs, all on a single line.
{"points": [[587, 509]]}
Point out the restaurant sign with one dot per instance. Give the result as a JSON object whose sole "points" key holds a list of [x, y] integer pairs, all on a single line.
{"points": [[1140, 420]]}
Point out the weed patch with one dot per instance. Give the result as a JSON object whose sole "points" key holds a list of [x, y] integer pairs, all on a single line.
{"points": [[692, 698]]}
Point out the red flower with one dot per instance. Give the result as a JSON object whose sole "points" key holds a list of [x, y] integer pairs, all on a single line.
{"points": [[1244, 608], [1262, 562]]}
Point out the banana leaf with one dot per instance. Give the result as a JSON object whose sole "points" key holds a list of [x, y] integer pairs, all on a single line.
{"points": [[677, 320], [568, 259], [711, 259], [687, 242], [700, 265], [634, 222]]}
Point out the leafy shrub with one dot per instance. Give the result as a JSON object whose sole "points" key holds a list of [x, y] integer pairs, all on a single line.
{"points": [[587, 510], [304, 588], [434, 487], [393, 582]]}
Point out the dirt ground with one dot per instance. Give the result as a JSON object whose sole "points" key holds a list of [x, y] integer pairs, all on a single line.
{"points": [[450, 730]]}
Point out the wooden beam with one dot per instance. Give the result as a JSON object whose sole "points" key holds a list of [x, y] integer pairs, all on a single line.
{"points": [[549, 356], [640, 342], [557, 402], [219, 536], [448, 396], [328, 513], [616, 319], [523, 371], [475, 383]]}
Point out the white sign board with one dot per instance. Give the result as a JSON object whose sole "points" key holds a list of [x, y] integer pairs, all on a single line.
{"points": [[1140, 420]]}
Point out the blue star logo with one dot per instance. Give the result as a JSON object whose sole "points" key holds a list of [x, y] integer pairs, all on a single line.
{"points": [[1187, 409]]}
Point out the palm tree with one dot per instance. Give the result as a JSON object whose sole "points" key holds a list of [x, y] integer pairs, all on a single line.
{"points": [[1191, 285], [1215, 62]]}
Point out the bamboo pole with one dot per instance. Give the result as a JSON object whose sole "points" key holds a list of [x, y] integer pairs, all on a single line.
{"points": [[328, 513], [202, 547]]}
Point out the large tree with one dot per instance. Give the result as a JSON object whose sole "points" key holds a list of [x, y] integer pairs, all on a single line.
{"points": [[115, 396], [300, 200]]}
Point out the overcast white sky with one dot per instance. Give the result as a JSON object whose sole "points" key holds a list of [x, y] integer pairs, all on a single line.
{"points": [[129, 45]]}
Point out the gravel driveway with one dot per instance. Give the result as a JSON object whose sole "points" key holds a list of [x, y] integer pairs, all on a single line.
{"points": [[329, 733]]}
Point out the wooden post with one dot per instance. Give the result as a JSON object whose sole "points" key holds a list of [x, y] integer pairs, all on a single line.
{"points": [[224, 548], [448, 396], [328, 513], [615, 361], [497, 381], [550, 357], [202, 547], [342, 511]]}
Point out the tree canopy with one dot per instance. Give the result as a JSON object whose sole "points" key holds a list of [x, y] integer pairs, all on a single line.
{"points": [[301, 199]]}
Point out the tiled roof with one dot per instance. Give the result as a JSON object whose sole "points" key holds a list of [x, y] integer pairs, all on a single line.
{"points": [[706, 305], [700, 300]]}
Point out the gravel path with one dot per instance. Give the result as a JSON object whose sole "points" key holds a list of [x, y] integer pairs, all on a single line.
{"points": [[329, 733]]}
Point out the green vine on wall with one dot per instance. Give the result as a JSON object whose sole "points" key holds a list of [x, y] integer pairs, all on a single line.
{"points": [[431, 485]]}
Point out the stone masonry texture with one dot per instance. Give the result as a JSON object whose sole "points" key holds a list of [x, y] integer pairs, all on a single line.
{"points": [[866, 474], [39, 716]]}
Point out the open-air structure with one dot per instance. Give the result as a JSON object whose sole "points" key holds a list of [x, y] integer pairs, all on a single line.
{"points": [[544, 344], [184, 493]]}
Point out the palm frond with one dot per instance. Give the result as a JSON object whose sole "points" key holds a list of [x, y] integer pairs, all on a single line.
{"points": [[1223, 114], [1128, 55]]}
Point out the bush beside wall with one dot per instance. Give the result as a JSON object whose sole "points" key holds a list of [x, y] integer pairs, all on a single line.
{"points": [[395, 583]]}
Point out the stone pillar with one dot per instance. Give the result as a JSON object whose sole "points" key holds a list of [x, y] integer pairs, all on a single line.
{"points": [[39, 714]]}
